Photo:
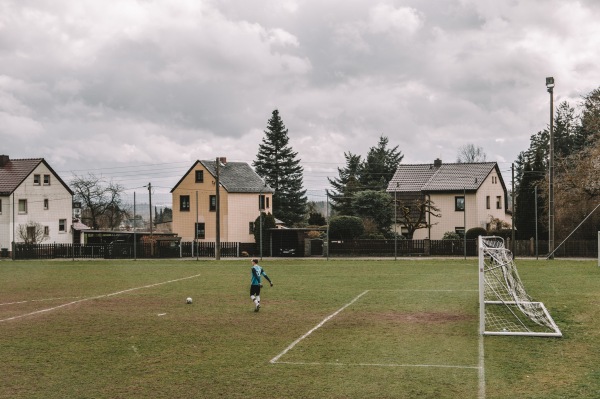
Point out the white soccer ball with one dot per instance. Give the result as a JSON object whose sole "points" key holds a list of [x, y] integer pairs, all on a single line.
{"points": [[188, 300]]}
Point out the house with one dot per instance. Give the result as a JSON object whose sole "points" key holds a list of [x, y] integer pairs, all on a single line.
{"points": [[35, 204], [467, 195], [240, 196]]}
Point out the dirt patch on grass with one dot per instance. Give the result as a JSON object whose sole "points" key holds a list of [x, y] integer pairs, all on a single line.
{"points": [[422, 317]]}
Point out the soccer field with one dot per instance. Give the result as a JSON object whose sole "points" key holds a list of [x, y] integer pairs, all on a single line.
{"points": [[327, 329]]}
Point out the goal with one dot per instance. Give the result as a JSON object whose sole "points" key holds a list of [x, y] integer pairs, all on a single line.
{"points": [[504, 306]]}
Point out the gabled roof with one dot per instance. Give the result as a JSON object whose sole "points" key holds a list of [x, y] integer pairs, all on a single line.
{"points": [[235, 177], [15, 171], [442, 177]]}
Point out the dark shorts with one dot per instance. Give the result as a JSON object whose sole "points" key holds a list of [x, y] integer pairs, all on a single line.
{"points": [[255, 290]]}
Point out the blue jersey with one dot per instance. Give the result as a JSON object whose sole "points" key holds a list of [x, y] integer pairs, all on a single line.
{"points": [[256, 274]]}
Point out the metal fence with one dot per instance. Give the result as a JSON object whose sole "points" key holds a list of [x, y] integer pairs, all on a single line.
{"points": [[349, 248]]}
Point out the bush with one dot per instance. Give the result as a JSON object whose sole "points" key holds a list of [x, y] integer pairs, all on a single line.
{"points": [[345, 227], [451, 235], [476, 232]]}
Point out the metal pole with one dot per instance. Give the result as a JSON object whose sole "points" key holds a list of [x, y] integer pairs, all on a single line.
{"points": [[150, 199], [260, 223], [327, 215], [134, 231], [512, 234], [218, 216], [536, 221], [465, 220], [396, 222], [196, 229], [550, 87]]}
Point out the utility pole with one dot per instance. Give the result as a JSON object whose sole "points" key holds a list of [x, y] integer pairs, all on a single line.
{"points": [[218, 213], [150, 197]]}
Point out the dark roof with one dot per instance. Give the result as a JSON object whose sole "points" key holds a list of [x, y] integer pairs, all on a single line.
{"points": [[15, 171], [445, 177], [235, 177]]}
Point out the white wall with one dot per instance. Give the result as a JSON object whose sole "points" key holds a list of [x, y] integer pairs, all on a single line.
{"points": [[60, 203]]}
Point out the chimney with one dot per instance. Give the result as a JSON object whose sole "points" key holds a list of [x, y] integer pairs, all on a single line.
{"points": [[223, 161], [3, 160], [437, 163]]}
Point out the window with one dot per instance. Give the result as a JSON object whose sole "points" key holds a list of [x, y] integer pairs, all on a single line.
{"points": [[0, 207], [262, 201], [184, 203], [460, 231], [212, 203], [200, 231], [36, 180], [62, 225], [487, 202], [498, 202], [251, 228], [199, 176], [46, 230], [46, 203], [46, 180], [459, 204], [22, 206], [494, 179]]}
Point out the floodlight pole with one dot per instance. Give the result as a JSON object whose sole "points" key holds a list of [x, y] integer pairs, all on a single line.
{"points": [[550, 87], [396, 223]]}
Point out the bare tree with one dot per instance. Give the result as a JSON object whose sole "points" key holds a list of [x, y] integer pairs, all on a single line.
{"points": [[102, 205], [413, 214], [32, 233], [469, 153]]}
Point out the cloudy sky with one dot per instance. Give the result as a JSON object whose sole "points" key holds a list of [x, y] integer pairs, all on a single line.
{"points": [[137, 90]]}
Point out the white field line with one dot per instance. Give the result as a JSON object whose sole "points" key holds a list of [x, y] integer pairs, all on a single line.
{"points": [[325, 320], [37, 300], [481, 373], [446, 366], [96, 297]]}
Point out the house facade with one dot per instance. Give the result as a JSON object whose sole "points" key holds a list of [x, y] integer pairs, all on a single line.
{"points": [[467, 195], [241, 195], [34, 201]]}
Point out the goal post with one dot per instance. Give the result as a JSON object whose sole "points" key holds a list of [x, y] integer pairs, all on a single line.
{"points": [[505, 308]]}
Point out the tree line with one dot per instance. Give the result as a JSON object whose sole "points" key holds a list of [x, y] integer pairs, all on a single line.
{"points": [[576, 174]]}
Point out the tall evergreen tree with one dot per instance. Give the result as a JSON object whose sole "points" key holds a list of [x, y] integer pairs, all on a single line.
{"points": [[278, 165], [346, 185], [380, 165]]}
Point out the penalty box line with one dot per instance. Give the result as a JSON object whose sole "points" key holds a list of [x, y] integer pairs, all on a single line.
{"points": [[325, 320], [315, 328], [96, 297]]}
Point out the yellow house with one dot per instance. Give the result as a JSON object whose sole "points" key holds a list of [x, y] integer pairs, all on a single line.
{"points": [[241, 196], [467, 195]]}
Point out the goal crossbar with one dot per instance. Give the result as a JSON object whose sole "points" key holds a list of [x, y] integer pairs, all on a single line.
{"points": [[504, 305]]}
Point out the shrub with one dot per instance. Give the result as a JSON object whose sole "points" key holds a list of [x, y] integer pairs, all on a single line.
{"points": [[451, 235], [476, 232], [345, 227]]}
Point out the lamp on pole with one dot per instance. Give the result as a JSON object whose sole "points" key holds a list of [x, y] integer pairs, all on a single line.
{"points": [[550, 87]]}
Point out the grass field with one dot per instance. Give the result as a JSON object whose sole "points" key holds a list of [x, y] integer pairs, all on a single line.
{"points": [[327, 329]]}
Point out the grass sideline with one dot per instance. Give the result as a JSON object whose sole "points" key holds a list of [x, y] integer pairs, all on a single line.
{"points": [[121, 329]]}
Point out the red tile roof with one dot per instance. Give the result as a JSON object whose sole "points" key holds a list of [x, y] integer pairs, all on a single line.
{"points": [[14, 172]]}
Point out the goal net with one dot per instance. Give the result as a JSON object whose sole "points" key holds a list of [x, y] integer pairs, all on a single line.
{"points": [[505, 308]]}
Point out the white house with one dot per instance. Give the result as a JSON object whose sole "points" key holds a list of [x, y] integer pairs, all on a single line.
{"points": [[31, 193], [467, 195]]}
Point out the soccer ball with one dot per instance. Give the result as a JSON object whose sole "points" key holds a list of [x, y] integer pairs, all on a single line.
{"points": [[188, 300]]}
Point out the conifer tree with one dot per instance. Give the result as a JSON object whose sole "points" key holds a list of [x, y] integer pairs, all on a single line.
{"points": [[278, 165]]}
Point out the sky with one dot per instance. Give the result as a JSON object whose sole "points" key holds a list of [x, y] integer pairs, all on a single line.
{"points": [[135, 91]]}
